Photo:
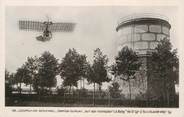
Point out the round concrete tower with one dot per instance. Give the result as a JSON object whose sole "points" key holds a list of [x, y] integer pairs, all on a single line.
{"points": [[142, 32]]}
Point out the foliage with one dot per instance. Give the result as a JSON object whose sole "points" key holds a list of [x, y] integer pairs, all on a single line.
{"points": [[9, 77], [21, 76], [97, 72], [73, 68], [83, 92], [162, 62], [8, 83], [127, 64], [48, 69], [61, 91], [31, 65], [164, 59], [114, 90]]}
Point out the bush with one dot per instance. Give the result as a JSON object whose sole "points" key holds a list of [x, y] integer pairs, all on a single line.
{"points": [[61, 91], [83, 92], [114, 90], [8, 90]]}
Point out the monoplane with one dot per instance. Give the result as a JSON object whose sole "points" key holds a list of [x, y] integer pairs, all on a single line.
{"points": [[47, 27]]}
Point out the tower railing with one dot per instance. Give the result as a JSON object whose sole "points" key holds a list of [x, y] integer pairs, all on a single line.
{"points": [[142, 15]]}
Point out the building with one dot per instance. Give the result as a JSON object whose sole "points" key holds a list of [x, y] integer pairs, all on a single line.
{"points": [[142, 33]]}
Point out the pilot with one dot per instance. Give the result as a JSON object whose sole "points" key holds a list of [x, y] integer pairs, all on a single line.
{"points": [[46, 33]]}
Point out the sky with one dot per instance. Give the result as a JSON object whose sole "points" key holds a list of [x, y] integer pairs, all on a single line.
{"points": [[95, 28]]}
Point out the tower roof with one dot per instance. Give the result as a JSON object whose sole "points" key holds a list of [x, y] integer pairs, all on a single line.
{"points": [[143, 19]]}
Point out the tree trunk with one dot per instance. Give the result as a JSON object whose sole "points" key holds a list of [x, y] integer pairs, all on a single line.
{"points": [[42, 88], [109, 100], [168, 99], [73, 91], [79, 92], [129, 88], [94, 94], [17, 86], [164, 93], [31, 83], [30, 91], [99, 88], [50, 90], [83, 83], [70, 90], [20, 90]]}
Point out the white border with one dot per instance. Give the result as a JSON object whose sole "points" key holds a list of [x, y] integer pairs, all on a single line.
{"points": [[6, 111]]}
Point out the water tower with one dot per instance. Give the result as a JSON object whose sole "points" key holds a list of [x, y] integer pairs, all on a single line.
{"points": [[142, 33]]}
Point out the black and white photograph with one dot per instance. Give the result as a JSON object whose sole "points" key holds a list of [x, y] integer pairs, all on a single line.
{"points": [[92, 56]]}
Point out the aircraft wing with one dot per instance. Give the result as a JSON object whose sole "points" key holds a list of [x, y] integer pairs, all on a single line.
{"points": [[62, 27], [31, 25]]}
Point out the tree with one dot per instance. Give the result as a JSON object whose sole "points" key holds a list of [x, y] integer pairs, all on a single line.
{"points": [[72, 68], [97, 72], [8, 83], [100, 67], [32, 66], [162, 62], [21, 76], [48, 69], [126, 65], [114, 90]]}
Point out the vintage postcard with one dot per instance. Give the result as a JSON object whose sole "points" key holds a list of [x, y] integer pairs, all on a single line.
{"points": [[91, 59]]}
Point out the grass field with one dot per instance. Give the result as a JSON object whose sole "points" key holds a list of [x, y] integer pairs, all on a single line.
{"points": [[60, 101]]}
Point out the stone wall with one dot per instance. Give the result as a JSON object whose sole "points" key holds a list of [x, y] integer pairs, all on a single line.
{"points": [[142, 37]]}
